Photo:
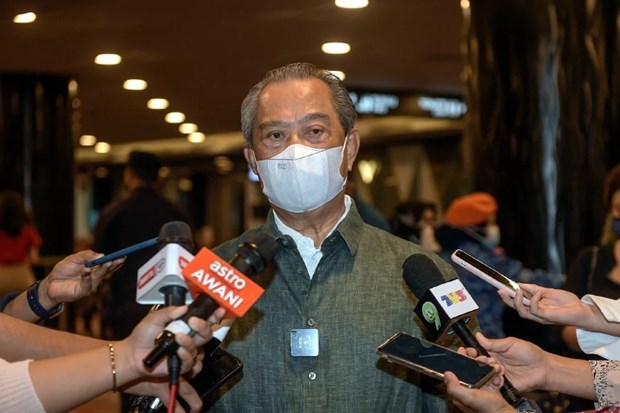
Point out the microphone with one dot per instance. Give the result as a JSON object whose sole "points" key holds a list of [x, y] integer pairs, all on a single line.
{"points": [[160, 279], [218, 285], [444, 308]]}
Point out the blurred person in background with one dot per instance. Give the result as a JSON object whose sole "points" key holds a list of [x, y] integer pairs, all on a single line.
{"points": [[596, 270], [135, 218], [416, 222], [19, 244], [369, 213]]}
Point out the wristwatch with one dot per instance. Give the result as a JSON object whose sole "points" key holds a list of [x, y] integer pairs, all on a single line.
{"points": [[37, 308]]}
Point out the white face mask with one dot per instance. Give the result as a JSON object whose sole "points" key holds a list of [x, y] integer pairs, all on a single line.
{"points": [[301, 178], [493, 236]]}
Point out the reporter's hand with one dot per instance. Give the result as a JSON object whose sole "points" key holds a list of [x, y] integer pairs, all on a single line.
{"points": [[141, 341], [526, 365], [70, 280], [551, 306], [483, 400]]}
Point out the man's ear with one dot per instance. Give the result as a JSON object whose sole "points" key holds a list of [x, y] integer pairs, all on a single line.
{"points": [[250, 157], [353, 146]]}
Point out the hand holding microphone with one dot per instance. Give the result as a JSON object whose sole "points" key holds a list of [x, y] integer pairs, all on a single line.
{"points": [[220, 284]]}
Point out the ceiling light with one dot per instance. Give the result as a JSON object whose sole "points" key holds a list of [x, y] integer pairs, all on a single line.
{"points": [[174, 117], [102, 147], [25, 18], [465, 4], [88, 140], [107, 59], [134, 84], [196, 137], [188, 128], [185, 184], [157, 104], [338, 73], [336, 48], [352, 4], [164, 172]]}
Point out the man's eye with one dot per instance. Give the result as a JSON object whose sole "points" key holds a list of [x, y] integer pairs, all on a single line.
{"points": [[275, 135]]}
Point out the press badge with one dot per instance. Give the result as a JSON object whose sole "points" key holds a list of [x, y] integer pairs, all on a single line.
{"points": [[305, 342]]}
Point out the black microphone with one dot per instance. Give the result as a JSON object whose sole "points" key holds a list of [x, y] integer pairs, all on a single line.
{"points": [[160, 280], [445, 307], [252, 257]]}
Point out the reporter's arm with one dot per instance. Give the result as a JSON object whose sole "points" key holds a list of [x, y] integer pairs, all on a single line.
{"points": [[20, 340], [68, 281], [528, 367], [90, 373]]}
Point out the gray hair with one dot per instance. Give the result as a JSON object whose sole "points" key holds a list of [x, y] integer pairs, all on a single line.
{"points": [[296, 71]]}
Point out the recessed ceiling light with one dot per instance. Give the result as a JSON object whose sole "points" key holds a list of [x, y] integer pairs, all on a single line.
{"points": [[196, 137], [102, 147], [88, 140], [108, 59], [188, 128], [352, 4], [134, 84], [157, 104], [338, 73], [465, 4], [24, 18], [174, 117], [336, 48]]}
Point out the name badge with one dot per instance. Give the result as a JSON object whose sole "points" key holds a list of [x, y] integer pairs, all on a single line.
{"points": [[305, 342]]}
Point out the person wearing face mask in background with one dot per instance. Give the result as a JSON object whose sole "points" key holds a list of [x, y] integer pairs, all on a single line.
{"points": [[596, 270], [335, 291], [470, 225], [416, 221]]}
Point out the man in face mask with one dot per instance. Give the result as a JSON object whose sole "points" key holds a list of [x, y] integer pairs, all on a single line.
{"points": [[470, 225], [336, 290]]}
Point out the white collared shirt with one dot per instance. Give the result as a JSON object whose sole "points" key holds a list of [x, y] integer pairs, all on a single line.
{"points": [[305, 245]]}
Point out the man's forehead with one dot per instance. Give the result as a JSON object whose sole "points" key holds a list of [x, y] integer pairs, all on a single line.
{"points": [[295, 100]]}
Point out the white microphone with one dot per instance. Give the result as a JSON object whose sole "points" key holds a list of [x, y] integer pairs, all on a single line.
{"points": [[160, 280]]}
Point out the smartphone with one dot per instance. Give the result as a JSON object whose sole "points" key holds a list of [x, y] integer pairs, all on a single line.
{"points": [[218, 368], [433, 360], [488, 274]]}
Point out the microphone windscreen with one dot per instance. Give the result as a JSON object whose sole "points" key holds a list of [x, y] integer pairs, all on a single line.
{"points": [[255, 253], [265, 244], [177, 232], [421, 274]]}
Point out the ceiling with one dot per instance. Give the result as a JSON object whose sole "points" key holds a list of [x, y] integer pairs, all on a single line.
{"points": [[203, 56]]}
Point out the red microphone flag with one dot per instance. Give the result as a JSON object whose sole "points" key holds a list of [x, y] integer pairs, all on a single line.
{"points": [[211, 275]]}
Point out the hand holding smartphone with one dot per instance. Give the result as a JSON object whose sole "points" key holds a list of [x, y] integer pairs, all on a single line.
{"points": [[433, 360], [489, 275]]}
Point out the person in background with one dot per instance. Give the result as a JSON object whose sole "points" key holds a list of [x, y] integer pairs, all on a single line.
{"points": [[135, 218], [416, 221], [335, 291], [369, 213], [19, 244], [469, 225], [596, 270]]}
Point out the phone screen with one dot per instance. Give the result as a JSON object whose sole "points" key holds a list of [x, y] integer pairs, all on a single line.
{"points": [[494, 277], [431, 359], [487, 270]]}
